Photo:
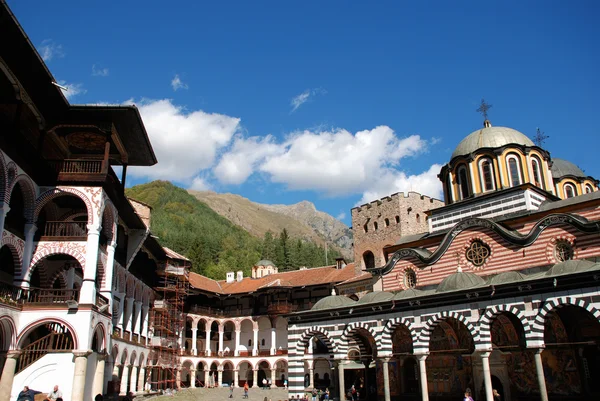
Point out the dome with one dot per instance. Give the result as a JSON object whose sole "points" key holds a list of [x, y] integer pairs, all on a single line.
{"points": [[490, 137], [410, 293], [570, 266], [460, 281], [507, 277], [332, 302], [264, 262], [561, 168], [375, 296]]}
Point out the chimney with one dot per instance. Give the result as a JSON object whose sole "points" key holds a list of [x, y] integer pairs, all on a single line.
{"points": [[230, 277], [340, 263], [240, 275]]}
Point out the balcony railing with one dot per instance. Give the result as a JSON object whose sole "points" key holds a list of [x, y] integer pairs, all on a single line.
{"points": [[80, 170], [280, 308], [101, 301], [50, 296], [65, 230], [200, 310]]}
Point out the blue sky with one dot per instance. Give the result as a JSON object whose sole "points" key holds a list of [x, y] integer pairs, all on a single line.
{"points": [[332, 102]]}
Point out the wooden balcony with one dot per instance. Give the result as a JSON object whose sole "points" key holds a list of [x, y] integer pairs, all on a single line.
{"points": [[65, 231], [80, 170], [280, 308], [50, 296], [9, 294], [204, 311]]}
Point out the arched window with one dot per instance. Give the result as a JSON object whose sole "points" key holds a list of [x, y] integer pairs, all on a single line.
{"points": [[463, 183], [249, 343], [514, 170], [397, 219], [375, 226], [366, 227], [262, 343], [486, 172], [418, 218], [588, 189], [369, 260], [537, 172], [387, 222], [570, 191], [449, 189]]}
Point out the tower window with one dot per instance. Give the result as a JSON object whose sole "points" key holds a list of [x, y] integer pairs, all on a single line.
{"points": [[570, 191], [418, 218], [537, 172], [375, 226], [369, 260], [588, 189], [387, 222], [463, 183], [514, 170], [366, 227], [410, 278], [486, 172], [397, 219]]}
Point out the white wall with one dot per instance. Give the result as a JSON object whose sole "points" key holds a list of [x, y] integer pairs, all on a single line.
{"points": [[45, 373]]}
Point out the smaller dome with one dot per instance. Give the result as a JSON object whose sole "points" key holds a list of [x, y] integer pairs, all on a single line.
{"points": [[490, 137], [507, 277], [264, 262], [460, 281], [561, 168], [570, 266], [332, 302], [410, 293], [375, 296]]}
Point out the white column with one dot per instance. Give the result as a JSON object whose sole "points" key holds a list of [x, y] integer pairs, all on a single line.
{"points": [[106, 289], [144, 331], [423, 377], [133, 381], [310, 346], [88, 287], [4, 209], [539, 367], [207, 339], [341, 382], [273, 377], [255, 378], [194, 338], [98, 384], [311, 374], [124, 379], [8, 375], [487, 376], [255, 343], [30, 230], [221, 332], [142, 379], [121, 312], [128, 319], [236, 378], [220, 378], [192, 378], [78, 389], [70, 278], [138, 317], [237, 343], [273, 340], [386, 379], [206, 379]]}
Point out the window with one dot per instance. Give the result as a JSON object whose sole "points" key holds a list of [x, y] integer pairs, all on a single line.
{"points": [[262, 343], [249, 343], [486, 172], [463, 183], [397, 219], [369, 260], [387, 222], [366, 227], [410, 278], [477, 253], [570, 191], [375, 226], [588, 189], [418, 218], [563, 251], [537, 172], [514, 170]]}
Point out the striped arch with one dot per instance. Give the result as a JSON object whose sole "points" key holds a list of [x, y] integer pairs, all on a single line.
{"points": [[60, 275], [537, 329], [29, 195], [315, 331], [9, 333], [242, 361], [4, 171], [57, 248], [422, 343], [15, 246], [347, 337], [47, 196], [485, 326], [384, 339]]}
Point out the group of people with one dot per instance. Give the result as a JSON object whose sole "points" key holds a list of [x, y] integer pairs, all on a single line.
{"points": [[469, 397], [28, 394]]}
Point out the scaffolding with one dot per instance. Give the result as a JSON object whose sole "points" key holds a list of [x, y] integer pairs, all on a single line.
{"points": [[168, 323]]}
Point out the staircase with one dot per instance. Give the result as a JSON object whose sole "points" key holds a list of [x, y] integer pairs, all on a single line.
{"points": [[59, 340]]}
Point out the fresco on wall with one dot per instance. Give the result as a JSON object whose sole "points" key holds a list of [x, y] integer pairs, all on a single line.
{"points": [[449, 374], [393, 375]]}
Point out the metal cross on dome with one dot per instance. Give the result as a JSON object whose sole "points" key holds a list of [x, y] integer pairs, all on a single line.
{"points": [[483, 109]]}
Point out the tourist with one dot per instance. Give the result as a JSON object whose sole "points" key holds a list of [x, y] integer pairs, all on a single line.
{"points": [[468, 395], [496, 395], [231, 391], [55, 395], [285, 384], [314, 394], [99, 397], [327, 393], [264, 383], [26, 395], [246, 390]]}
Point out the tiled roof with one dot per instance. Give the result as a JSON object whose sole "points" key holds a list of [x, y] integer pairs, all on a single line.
{"points": [[361, 277], [295, 278], [174, 255]]}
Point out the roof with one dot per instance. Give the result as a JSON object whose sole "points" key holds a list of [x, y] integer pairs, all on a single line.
{"points": [[460, 281], [490, 137], [374, 297], [507, 277], [174, 255], [561, 168], [332, 302], [264, 262], [362, 277], [295, 278], [572, 266]]}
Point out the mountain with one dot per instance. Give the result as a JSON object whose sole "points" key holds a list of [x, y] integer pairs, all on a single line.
{"points": [[301, 220]]}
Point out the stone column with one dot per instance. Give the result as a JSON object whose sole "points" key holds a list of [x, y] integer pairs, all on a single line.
{"points": [[311, 375], [487, 376], [237, 343], [30, 230], [78, 389], [106, 289], [87, 293], [310, 346], [273, 341], [178, 379], [207, 339], [124, 380], [144, 331], [127, 320], [138, 318], [423, 377], [539, 367], [4, 209], [194, 338], [221, 333], [255, 379], [98, 385], [8, 374], [142, 379], [206, 379], [219, 378], [193, 378], [341, 382], [386, 379], [255, 343], [133, 381], [121, 312], [273, 377]]}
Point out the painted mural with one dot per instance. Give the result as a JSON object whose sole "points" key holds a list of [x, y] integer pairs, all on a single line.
{"points": [[449, 374], [394, 375]]}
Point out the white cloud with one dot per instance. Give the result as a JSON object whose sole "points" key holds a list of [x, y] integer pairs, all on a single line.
{"points": [[302, 98], [72, 90], [185, 142], [49, 50], [177, 83], [200, 184], [99, 72], [341, 216]]}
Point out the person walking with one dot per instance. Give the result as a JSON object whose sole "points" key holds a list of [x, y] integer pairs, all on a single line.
{"points": [[264, 383], [468, 395], [231, 391], [246, 390]]}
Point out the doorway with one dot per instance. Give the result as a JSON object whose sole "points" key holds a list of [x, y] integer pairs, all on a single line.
{"points": [[497, 384]]}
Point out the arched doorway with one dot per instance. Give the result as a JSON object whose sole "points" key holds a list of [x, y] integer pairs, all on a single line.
{"points": [[227, 372], [362, 372], [186, 373], [402, 374], [49, 337], [55, 279], [245, 374], [498, 386], [264, 373], [212, 375]]}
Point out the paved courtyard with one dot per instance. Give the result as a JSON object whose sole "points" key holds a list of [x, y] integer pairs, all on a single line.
{"points": [[203, 394]]}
